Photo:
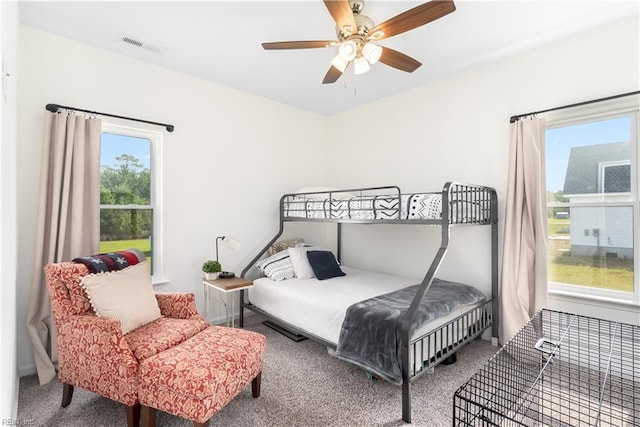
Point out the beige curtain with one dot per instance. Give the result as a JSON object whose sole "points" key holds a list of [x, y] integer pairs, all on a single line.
{"points": [[524, 261], [68, 218]]}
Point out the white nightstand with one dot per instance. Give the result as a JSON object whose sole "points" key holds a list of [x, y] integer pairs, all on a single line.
{"points": [[228, 286]]}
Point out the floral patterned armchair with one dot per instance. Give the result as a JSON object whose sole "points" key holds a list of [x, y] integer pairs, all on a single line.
{"points": [[95, 355]]}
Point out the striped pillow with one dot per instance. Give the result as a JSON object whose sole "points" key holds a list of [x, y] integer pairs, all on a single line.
{"points": [[277, 267]]}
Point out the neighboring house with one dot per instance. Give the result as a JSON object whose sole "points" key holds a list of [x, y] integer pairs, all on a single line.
{"points": [[598, 173]]}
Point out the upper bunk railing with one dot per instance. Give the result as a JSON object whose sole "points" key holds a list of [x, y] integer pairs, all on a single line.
{"points": [[457, 203], [474, 204]]}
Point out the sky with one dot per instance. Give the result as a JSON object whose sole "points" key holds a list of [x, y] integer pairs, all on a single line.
{"points": [[558, 143], [113, 145]]}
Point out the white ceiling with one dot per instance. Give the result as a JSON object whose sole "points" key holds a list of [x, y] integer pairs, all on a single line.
{"points": [[220, 40]]}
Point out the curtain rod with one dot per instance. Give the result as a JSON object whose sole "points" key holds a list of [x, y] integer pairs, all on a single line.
{"points": [[514, 119], [55, 107]]}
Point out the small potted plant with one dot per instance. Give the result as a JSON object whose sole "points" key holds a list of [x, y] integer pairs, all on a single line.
{"points": [[211, 269]]}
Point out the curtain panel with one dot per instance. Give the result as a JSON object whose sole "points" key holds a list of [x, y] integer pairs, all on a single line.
{"points": [[524, 262], [68, 218]]}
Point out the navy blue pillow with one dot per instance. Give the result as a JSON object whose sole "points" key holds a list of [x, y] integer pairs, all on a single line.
{"points": [[324, 265]]}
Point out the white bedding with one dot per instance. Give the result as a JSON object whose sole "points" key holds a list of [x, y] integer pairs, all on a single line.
{"points": [[417, 206], [319, 307]]}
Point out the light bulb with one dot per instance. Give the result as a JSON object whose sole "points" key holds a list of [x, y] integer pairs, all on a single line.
{"points": [[372, 52], [348, 50], [360, 65]]}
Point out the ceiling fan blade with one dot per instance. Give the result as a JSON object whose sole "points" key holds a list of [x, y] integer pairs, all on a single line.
{"points": [[332, 75], [341, 12], [399, 60], [413, 18], [299, 44]]}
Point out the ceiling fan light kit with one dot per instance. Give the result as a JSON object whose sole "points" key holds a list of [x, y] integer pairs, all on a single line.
{"points": [[372, 52], [356, 32], [340, 63], [348, 50], [360, 65]]}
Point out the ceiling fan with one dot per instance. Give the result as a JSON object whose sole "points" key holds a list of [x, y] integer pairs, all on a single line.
{"points": [[357, 35]]}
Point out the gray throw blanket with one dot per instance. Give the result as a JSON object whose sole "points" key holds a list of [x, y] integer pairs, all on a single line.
{"points": [[370, 333]]}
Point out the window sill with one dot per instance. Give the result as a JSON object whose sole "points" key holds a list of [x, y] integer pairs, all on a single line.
{"points": [[159, 281], [631, 302]]}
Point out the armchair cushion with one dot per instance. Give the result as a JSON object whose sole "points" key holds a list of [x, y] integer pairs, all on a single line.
{"points": [[162, 334], [126, 295]]}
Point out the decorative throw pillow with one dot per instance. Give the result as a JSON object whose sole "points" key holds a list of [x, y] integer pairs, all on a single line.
{"points": [[126, 295], [282, 245], [324, 265], [277, 267], [301, 266]]}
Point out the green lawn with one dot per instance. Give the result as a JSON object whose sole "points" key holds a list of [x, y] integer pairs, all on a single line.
{"points": [[594, 271], [118, 245], [557, 227]]}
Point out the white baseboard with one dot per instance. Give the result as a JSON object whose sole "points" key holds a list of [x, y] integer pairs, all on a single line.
{"points": [[24, 371]]}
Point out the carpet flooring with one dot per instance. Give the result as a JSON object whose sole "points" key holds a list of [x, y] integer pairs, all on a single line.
{"points": [[302, 385]]}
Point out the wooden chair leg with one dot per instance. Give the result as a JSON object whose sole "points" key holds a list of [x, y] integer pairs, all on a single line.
{"points": [[67, 394], [255, 385], [148, 416], [133, 415], [204, 424]]}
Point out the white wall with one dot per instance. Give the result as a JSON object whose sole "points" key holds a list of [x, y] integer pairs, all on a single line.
{"points": [[230, 158], [8, 374], [457, 129], [254, 149]]}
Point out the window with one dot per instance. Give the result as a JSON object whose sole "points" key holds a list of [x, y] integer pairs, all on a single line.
{"points": [[592, 204], [130, 192], [616, 178]]}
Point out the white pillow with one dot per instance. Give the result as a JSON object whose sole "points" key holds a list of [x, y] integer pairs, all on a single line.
{"points": [[301, 266], [126, 295], [277, 267]]}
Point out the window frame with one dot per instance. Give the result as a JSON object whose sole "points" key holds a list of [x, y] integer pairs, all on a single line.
{"points": [[156, 202], [624, 199]]}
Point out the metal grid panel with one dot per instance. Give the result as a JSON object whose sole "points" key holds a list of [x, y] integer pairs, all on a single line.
{"points": [[559, 370]]}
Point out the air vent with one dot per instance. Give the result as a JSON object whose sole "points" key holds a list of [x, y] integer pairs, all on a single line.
{"points": [[132, 41], [135, 42]]}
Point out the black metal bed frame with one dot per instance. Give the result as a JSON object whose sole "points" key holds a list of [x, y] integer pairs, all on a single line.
{"points": [[444, 341]]}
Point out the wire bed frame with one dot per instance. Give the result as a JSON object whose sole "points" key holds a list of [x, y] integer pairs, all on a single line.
{"points": [[559, 370], [418, 354]]}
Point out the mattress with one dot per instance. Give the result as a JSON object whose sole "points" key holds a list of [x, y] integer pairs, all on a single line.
{"points": [[319, 307], [416, 206]]}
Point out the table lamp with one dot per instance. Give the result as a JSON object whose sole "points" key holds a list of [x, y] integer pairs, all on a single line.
{"points": [[230, 243]]}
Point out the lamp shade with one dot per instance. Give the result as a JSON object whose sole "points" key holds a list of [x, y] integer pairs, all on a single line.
{"points": [[340, 63], [360, 65], [348, 50], [231, 243], [228, 242], [372, 52]]}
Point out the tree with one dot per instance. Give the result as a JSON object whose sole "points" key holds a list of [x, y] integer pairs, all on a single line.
{"points": [[129, 183]]}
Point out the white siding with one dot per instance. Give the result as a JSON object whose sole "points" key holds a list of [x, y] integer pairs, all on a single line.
{"points": [[614, 226]]}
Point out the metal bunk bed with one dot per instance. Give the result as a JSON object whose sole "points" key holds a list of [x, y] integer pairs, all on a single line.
{"points": [[461, 204]]}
